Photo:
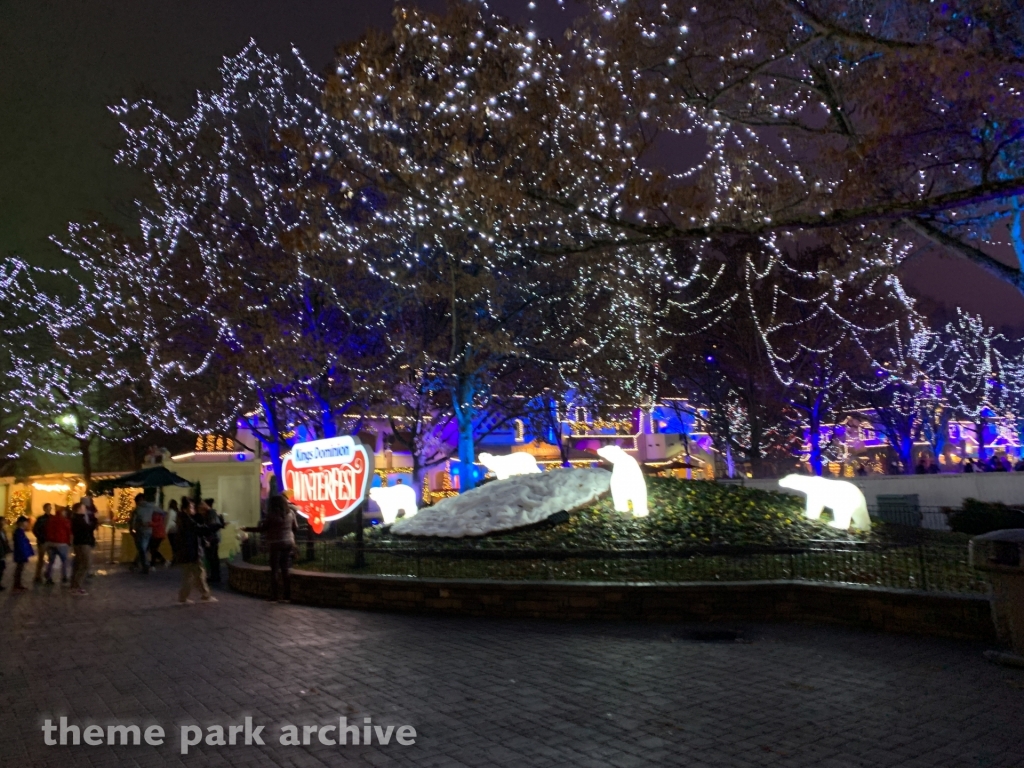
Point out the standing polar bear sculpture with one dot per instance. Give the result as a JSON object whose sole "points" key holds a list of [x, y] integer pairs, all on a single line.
{"points": [[505, 467], [393, 500], [628, 484], [844, 499]]}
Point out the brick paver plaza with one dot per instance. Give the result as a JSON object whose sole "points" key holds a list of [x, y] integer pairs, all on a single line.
{"points": [[483, 692]]}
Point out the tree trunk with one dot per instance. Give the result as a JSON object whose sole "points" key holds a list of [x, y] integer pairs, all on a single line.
{"points": [[272, 442], [419, 475], [467, 454], [85, 446], [755, 457], [814, 440], [462, 402], [907, 454], [327, 426]]}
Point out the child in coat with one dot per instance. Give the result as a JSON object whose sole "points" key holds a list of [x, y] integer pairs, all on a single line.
{"points": [[22, 551], [5, 548]]}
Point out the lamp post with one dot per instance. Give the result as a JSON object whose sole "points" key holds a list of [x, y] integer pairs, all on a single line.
{"points": [[360, 559]]}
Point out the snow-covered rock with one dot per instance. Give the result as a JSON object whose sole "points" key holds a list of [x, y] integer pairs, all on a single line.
{"points": [[503, 505]]}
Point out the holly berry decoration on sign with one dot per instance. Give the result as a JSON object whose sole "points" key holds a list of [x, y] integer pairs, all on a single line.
{"points": [[327, 478]]}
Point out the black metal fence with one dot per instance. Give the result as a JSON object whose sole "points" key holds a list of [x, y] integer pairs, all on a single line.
{"points": [[917, 565]]}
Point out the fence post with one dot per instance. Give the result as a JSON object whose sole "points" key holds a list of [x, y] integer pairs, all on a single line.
{"points": [[924, 572]]}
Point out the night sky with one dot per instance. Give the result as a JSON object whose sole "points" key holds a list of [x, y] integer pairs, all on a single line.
{"points": [[63, 61]]}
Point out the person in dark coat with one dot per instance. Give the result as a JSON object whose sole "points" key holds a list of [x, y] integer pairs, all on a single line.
{"points": [[191, 531], [22, 551], [216, 523], [39, 531], [83, 539], [5, 550], [278, 528]]}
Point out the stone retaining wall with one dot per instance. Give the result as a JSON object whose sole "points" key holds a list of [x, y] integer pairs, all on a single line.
{"points": [[965, 617]]}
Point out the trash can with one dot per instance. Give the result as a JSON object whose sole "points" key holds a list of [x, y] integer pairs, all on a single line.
{"points": [[999, 553]]}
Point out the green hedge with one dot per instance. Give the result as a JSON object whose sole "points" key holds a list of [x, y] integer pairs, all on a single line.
{"points": [[977, 517]]}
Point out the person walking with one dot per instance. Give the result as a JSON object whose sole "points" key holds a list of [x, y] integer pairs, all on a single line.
{"points": [[191, 530], [171, 524], [157, 536], [141, 527], [22, 551], [58, 544], [278, 528], [83, 535], [212, 544], [39, 531], [5, 550]]}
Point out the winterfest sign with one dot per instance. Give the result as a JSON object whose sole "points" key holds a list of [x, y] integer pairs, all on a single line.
{"points": [[327, 479]]}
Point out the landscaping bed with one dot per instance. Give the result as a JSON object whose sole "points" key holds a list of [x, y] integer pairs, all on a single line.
{"points": [[682, 514], [696, 531]]}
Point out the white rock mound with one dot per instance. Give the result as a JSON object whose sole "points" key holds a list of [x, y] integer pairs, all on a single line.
{"points": [[503, 505]]}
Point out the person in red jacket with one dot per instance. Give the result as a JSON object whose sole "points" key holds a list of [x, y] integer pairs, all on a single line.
{"points": [[58, 543], [157, 536]]}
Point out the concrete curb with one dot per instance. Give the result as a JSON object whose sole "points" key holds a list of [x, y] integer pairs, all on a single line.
{"points": [[958, 616]]}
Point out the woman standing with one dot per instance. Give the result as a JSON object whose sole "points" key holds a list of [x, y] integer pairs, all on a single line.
{"points": [[278, 528], [83, 539], [5, 549], [172, 527], [189, 556]]}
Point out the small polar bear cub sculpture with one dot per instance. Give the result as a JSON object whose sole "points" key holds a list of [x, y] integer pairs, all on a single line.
{"points": [[844, 499], [628, 484], [505, 467], [393, 500]]}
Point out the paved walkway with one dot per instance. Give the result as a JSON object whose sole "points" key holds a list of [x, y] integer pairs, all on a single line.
{"points": [[486, 693]]}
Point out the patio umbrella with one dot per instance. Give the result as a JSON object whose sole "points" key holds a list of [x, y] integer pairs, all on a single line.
{"points": [[153, 477]]}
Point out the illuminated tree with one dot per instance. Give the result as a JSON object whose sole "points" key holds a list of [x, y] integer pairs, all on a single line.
{"points": [[459, 130], [242, 308], [73, 379], [974, 370], [893, 118], [824, 313], [936, 414], [22, 330], [725, 372]]}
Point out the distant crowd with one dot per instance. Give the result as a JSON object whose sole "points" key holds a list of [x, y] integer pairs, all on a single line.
{"points": [[68, 535], [191, 529], [56, 535], [925, 466]]}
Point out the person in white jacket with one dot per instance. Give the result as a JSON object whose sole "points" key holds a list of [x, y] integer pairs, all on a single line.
{"points": [[172, 526]]}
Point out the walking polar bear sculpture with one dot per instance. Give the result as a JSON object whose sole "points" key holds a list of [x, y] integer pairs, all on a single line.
{"points": [[395, 499], [505, 467], [628, 484], [844, 499]]}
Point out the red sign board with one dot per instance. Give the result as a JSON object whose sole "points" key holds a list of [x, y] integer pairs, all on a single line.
{"points": [[327, 479]]}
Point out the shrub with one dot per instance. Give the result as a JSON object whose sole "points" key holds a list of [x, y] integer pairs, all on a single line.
{"points": [[977, 517]]}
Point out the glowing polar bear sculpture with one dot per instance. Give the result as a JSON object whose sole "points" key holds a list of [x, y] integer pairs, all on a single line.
{"points": [[628, 484], [505, 467], [393, 500], [844, 499]]}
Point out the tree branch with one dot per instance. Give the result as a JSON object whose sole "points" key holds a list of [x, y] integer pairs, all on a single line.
{"points": [[974, 255]]}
